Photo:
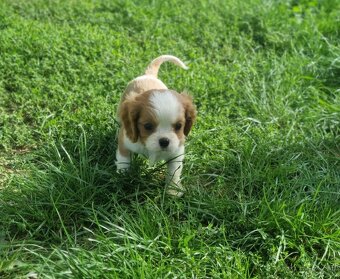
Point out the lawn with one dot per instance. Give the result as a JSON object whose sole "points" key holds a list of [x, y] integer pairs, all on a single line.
{"points": [[262, 167]]}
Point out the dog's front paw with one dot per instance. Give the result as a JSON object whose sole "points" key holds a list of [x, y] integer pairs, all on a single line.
{"points": [[122, 167], [122, 162], [175, 193], [175, 190]]}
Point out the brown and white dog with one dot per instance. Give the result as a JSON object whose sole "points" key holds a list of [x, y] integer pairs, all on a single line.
{"points": [[154, 122]]}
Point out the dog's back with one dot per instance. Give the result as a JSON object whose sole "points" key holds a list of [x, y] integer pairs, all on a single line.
{"points": [[149, 80]]}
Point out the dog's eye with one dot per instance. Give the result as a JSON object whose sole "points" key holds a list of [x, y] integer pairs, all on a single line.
{"points": [[148, 126], [178, 126]]}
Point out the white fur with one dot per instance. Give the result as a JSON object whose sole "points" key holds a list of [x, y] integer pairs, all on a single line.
{"points": [[122, 162], [166, 108], [166, 105], [174, 173], [136, 147]]}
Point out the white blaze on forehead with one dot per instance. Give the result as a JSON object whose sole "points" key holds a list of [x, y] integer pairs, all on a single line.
{"points": [[166, 106]]}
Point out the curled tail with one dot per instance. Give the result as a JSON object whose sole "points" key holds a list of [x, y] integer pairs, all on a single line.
{"points": [[153, 67]]}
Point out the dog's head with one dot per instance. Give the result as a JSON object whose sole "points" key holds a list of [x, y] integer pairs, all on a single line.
{"points": [[158, 119]]}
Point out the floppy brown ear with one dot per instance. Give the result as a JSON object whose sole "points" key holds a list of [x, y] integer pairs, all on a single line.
{"points": [[190, 112], [129, 114]]}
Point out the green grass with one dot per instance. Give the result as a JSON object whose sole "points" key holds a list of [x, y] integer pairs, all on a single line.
{"points": [[262, 163]]}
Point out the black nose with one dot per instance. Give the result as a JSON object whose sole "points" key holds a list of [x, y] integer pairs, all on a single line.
{"points": [[164, 142]]}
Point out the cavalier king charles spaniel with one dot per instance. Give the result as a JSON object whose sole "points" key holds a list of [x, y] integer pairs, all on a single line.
{"points": [[154, 121]]}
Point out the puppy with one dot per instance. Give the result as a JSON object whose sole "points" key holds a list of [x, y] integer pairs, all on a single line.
{"points": [[154, 122]]}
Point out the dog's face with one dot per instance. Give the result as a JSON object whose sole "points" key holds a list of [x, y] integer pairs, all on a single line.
{"points": [[158, 119]]}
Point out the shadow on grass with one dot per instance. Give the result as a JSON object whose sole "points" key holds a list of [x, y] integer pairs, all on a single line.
{"points": [[66, 184]]}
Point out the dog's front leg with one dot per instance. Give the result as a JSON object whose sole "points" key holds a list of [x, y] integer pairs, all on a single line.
{"points": [[123, 158], [122, 162], [174, 176]]}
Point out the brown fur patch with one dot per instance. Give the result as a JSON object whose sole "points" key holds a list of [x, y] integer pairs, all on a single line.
{"points": [[129, 113], [135, 112], [122, 150], [189, 110], [147, 117], [180, 132]]}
